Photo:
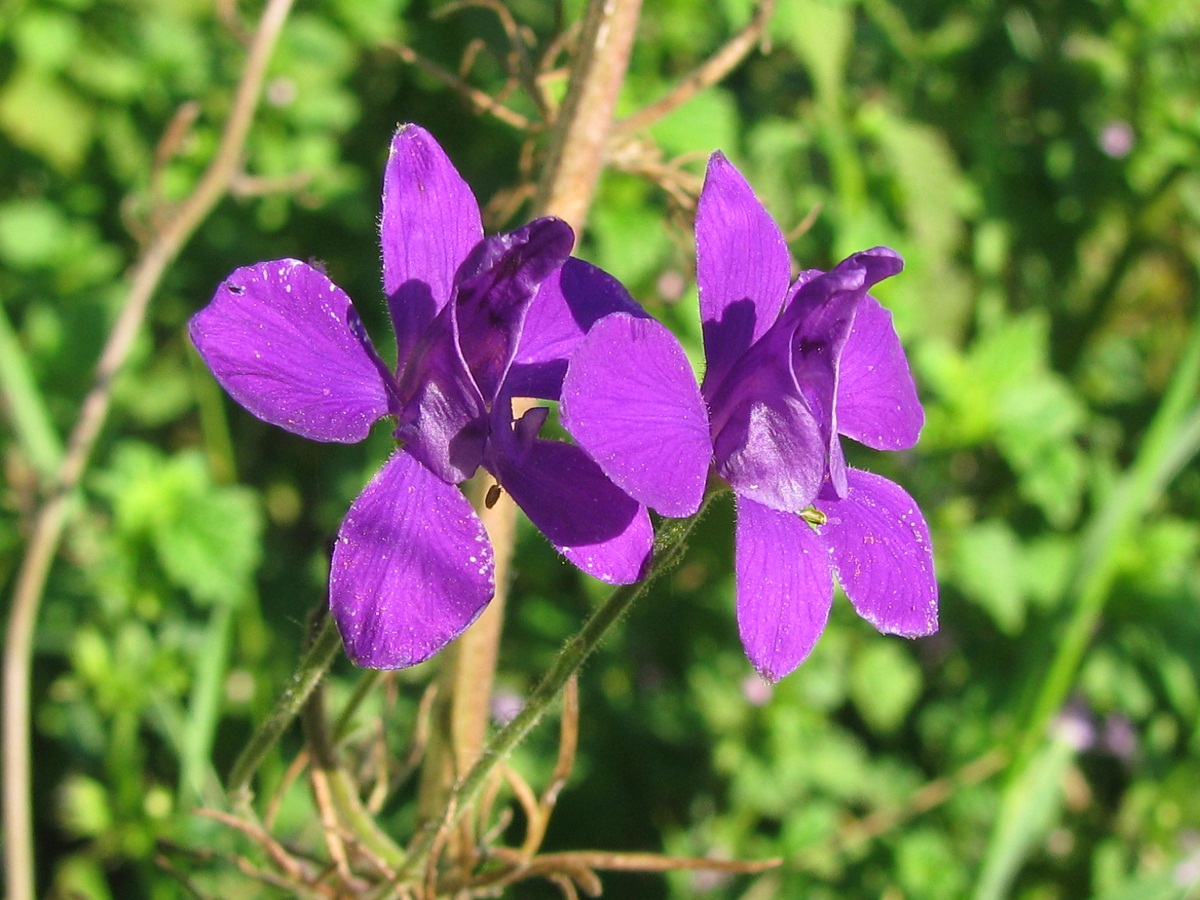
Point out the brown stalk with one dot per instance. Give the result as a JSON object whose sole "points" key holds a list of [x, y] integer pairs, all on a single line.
{"points": [[283, 860], [294, 770], [51, 519], [573, 167], [576, 153]]}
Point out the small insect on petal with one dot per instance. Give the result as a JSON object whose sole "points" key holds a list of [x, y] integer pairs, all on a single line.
{"points": [[493, 496]]}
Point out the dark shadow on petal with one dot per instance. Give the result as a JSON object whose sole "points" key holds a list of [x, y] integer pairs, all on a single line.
{"points": [[412, 308], [591, 521], [732, 333]]}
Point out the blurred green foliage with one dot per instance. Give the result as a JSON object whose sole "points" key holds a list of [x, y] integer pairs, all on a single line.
{"points": [[1038, 166]]}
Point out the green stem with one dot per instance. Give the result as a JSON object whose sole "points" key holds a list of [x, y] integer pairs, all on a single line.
{"points": [[1170, 442], [362, 689], [669, 546], [26, 407], [204, 710], [311, 669], [343, 791]]}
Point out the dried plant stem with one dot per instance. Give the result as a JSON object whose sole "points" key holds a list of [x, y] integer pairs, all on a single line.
{"points": [[572, 170], [576, 153], [51, 519], [669, 546]]}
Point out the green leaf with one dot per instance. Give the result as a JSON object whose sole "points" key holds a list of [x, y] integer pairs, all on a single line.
{"points": [[41, 114], [46, 38], [927, 865], [205, 537], [987, 565], [212, 546], [31, 233], [83, 807], [819, 31], [1031, 808], [706, 122], [884, 684]]}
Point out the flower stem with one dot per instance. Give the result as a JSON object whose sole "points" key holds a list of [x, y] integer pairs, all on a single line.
{"points": [[311, 669], [575, 160], [670, 542]]}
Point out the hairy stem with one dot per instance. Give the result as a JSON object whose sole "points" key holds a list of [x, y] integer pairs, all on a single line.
{"points": [[309, 672], [573, 167], [50, 521], [669, 545]]}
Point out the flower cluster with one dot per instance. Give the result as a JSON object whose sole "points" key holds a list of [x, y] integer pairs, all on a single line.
{"points": [[480, 321]]}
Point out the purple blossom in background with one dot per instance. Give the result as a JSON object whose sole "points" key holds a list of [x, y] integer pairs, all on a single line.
{"points": [[478, 321], [789, 369], [1116, 139]]}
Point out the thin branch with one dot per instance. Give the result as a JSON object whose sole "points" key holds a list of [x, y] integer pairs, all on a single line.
{"points": [[247, 185], [480, 101], [51, 520], [647, 862], [279, 855], [928, 797], [523, 71], [714, 69]]}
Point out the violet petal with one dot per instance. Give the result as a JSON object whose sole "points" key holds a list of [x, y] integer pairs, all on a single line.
{"points": [[879, 545], [631, 401], [588, 519], [742, 268], [496, 285], [569, 302], [429, 224], [821, 313], [444, 422], [767, 442], [278, 337], [784, 588], [877, 401], [411, 569]]}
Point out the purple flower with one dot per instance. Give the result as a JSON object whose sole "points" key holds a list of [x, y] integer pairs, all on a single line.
{"points": [[789, 369], [478, 321]]}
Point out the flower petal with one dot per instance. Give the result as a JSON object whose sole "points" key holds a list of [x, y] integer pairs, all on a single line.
{"points": [[568, 303], [877, 401], [411, 569], [430, 223], [444, 421], [880, 548], [591, 521], [496, 285], [631, 401], [742, 268], [768, 444], [784, 588], [281, 338], [820, 314]]}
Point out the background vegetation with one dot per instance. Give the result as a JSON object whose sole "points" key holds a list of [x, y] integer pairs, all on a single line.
{"points": [[1037, 163]]}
